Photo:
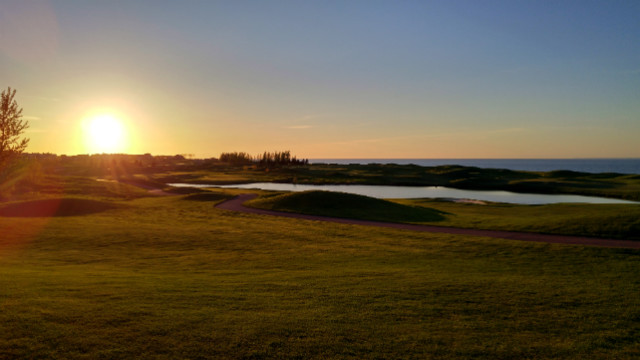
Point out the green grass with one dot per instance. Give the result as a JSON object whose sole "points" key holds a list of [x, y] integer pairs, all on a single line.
{"points": [[209, 196], [167, 278], [47, 176], [54, 207], [621, 186], [620, 221], [345, 205]]}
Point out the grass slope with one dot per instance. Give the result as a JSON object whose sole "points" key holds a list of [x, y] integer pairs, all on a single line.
{"points": [[595, 220], [165, 278], [54, 207], [336, 204], [620, 221]]}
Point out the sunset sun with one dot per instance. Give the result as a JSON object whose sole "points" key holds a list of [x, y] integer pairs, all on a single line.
{"points": [[105, 133]]}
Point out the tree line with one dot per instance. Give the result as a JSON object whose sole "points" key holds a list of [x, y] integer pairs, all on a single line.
{"points": [[265, 160]]}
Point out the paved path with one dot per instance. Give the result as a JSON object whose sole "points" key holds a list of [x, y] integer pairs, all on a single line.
{"points": [[236, 204]]}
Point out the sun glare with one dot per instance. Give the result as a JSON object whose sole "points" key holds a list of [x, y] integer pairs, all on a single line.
{"points": [[105, 133]]}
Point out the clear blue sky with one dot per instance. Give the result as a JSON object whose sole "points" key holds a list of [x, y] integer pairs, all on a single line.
{"points": [[341, 79]]}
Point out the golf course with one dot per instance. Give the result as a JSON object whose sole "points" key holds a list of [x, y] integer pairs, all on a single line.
{"points": [[319, 180], [97, 266]]}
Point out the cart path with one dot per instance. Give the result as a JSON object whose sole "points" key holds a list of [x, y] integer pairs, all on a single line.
{"points": [[236, 204]]}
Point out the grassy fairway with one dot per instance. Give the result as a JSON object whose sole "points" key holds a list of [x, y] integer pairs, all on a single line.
{"points": [[598, 220], [174, 278]]}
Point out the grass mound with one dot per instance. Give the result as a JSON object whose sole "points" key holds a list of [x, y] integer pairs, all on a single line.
{"points": [[55, 207], [345, 205]]}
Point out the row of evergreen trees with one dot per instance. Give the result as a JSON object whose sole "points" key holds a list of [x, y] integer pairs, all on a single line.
{"points": [[280, 158], [266, 160], [236, 158]]}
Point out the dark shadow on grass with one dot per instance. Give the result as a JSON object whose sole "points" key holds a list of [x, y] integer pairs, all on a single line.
{"points": [[183, 190], [208, 196], [55, 207]]}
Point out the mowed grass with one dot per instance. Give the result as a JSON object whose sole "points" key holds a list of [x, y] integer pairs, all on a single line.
{"points": [[619, 221], [168, 278], [51, 207]]}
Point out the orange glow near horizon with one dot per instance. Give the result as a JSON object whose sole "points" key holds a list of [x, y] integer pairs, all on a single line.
{"points": [[105, 133]]}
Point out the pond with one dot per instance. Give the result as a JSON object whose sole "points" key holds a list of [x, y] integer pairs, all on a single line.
{"points": [[412, 192]]}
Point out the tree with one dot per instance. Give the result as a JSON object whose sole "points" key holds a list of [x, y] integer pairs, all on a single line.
{"points": [[11, 127]]}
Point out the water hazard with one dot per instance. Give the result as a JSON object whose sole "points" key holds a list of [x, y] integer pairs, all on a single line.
{"points": [[414, 192]]}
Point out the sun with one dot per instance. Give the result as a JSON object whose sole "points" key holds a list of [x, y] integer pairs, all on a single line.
{"points": [[105, 133]]}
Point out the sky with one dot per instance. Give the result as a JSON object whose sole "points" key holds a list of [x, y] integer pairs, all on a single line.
{"points": [[328, 79]]}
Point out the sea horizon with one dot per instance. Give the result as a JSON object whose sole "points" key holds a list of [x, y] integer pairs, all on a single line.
{"points": [[588, 165]]}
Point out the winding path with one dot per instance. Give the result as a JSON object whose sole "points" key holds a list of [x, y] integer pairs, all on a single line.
{"points": [[236, 204]]}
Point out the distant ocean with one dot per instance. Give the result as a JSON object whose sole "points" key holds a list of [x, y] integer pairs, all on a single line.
{"points": [[622, 166]]}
